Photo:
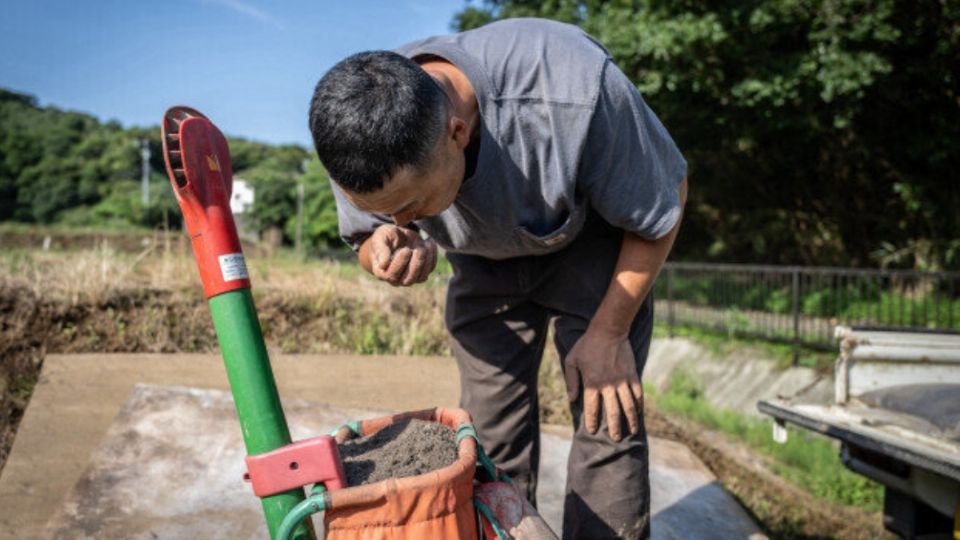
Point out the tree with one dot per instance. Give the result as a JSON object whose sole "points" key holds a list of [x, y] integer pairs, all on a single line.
{"points": [[320, 229], [817, 131]]}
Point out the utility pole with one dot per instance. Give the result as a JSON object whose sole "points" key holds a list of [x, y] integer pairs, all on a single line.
{"points": [[145, 171], [300, 220], [299, 239]]}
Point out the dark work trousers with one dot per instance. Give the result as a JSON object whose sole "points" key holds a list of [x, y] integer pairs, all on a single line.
{"points": [[497, 313]]}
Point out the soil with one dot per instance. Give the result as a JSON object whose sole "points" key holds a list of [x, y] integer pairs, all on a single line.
{"points": [[132, 241], [406, 448], [32, 326], [162, 320]]}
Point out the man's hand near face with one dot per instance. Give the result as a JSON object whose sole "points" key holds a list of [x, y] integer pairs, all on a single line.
{"points": [[398, 255]]}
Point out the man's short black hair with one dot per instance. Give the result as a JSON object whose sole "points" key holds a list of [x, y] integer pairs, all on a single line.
{"points": [[373, 113]]}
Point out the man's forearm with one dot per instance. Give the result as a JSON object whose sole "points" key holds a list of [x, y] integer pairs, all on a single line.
{"points": [[637, 267]]}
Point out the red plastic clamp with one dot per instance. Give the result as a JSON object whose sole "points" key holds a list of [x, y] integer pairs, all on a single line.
{"points": [[310, 461]]}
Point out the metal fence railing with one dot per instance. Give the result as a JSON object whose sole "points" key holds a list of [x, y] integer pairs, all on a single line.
{"points": [[801, 305]]}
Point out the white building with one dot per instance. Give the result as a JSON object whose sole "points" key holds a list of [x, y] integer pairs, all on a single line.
{"points": [[242, 199], [241, 203]]}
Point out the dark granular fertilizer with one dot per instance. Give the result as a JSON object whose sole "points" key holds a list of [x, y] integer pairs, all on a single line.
{"points": [[406, 448]]}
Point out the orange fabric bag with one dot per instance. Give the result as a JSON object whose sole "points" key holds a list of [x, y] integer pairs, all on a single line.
{"points": [[435, 505]]}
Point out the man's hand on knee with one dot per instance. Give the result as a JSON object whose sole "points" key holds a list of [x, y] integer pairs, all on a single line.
{"points": [[400, 256], [607, 368]]}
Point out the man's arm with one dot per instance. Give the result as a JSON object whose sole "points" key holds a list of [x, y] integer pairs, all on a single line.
{"points": [[603, 358]]}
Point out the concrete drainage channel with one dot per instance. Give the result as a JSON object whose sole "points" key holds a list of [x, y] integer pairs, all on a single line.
{"points": [[736, 381]]}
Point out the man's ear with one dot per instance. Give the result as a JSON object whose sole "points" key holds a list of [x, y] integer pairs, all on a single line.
{"points": [[457, 129]]}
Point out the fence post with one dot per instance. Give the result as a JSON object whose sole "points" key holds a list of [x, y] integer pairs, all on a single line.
{"points": [[670, 315], [796, 315]]}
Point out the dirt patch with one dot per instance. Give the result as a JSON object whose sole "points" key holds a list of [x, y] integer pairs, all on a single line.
{"points": [[782, 509], [31, 326], [406, 448], [160, 320], [132, 241]]}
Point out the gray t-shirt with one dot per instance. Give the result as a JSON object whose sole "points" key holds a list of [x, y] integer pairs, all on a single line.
{"points": [[562, 130]]}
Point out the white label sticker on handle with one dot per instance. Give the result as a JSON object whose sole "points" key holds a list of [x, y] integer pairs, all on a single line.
{"points": [[233, 267]]}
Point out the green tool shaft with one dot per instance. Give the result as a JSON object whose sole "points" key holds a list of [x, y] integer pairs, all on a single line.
{"points": [[255, 393]]}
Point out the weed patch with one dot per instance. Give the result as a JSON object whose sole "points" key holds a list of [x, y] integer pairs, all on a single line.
{"points": [[808, 460]]}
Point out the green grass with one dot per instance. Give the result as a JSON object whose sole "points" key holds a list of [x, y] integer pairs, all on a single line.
{"points": [[874, 299], [895, 309], [343, 262], [339, 263], [22, 386], [808, 460], [444, 269]]}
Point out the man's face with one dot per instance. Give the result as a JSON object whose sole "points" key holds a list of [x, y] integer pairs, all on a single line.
{"points": [[412, 194]]}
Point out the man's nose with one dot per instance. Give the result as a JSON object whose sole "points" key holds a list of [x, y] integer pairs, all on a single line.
{"points": [[402, 219]]}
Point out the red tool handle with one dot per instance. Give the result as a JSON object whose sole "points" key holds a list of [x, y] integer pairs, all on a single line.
{"points": [[198, 164]]}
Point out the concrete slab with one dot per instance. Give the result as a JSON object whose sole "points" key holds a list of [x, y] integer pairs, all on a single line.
{"points": [[171, 467], [687, 501], [184, 444], [79, 395]]}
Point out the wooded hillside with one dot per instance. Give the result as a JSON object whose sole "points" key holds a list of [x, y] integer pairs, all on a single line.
{"points": [[62, 167]]}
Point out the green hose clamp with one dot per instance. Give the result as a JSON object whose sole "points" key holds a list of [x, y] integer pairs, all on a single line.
{"points": [[352, 426], [467, 430], [316, 502]]}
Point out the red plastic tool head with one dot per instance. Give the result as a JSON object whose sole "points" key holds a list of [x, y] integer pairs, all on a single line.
{"points": [[198, 164]]}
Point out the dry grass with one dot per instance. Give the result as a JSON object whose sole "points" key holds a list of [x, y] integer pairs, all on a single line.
{"points": [[408, 320], [90, 275]]}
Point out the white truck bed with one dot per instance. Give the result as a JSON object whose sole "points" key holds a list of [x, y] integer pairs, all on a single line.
{"points": [[896, 413]]}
